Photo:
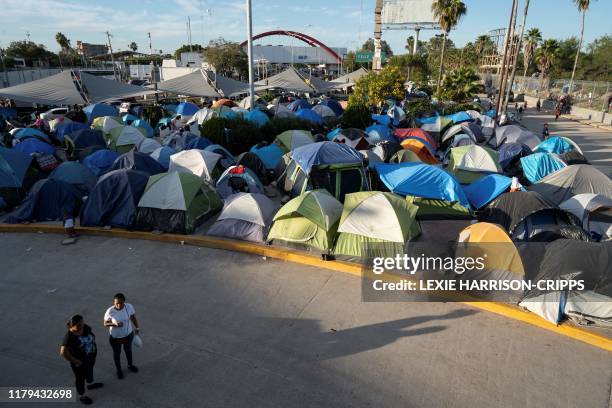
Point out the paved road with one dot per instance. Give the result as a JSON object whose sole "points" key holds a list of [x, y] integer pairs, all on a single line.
{"points": [[223, 329], [595, 143]]}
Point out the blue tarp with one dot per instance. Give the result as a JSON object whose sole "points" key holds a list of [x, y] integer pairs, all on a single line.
{"points": [[554, 144], [187, 109], [298, 104], [134, 160], [30, 132], [330, 135], [96, 110], [76, 174], [309, 115], [316, 154], [487, 189], [141, 123], [85, 138], [114, 199], [128, 118], [431, 119], [48, 200], [397, 114], [162, 155], [30, 146], [382, 119], [65, 129], [333, 105], [13, 167], [422, 180], [539, 165], [100, 161], [377, 133], [198, 142], [270, 155], [459, 117], [257, 117]]}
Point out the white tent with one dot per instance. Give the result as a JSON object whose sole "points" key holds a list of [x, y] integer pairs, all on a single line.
{"points": [[477, 159], [148, 145], [195, 161], [324, 111], [290, 80], [584, 205], [375, 217], [202, 116]]}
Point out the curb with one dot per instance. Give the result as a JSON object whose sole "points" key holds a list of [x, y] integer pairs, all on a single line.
{"points": [[289, 255]]}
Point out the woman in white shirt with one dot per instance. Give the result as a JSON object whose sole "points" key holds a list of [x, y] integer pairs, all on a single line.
{"points": [[121, 320]]}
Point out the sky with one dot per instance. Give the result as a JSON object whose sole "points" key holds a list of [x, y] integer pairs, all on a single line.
{"points": [[337, 23]]}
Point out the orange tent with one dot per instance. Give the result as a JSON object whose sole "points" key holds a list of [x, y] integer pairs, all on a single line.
{"points": [[421, 150], [415, 133], [224, 101]]}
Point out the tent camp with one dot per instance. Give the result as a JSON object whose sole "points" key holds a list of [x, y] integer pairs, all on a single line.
{"points": [[405, 156], [14, 167], [134, 160], [176, 202], [67, 128], [470, 163], [418, 134], [292, 139], [82, 139], [202, 116], [227, 159], [309, 115], [310, 221], [238, 179], [595, 212], [202, 163], [246, 217], [323, 111], [114, 199], [333, 104], [375, 224], [387, 149], [538, 165], [124, 138], [270, 154], [572, 180]]}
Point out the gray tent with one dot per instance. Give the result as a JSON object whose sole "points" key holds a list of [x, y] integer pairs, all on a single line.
{"points": [[203, 83], [100, 89], [514, 134], [290, 80], [319, 84], [576, 179], [246, 217], [227, 86], [349, 79]]}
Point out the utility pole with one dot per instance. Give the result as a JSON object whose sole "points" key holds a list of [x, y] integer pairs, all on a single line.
{"points": [[189, 33], [516, 54], [377, 58], [155, 72], [28, 36], [110, 47], [502, 75], [510, 59], [250, 53]]}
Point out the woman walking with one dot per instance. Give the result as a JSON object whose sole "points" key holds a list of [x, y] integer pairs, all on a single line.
{"points": [[121, 320], [79, 349]]}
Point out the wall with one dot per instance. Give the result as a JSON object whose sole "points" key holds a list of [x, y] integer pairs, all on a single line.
{"points": [[26, 75]]}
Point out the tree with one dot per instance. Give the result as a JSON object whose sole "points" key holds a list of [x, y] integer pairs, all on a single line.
{"points": [[369, 46], [545, 56], [227, 57], [461, 85], [187, 48], [373, 89], [30, 51], [482, 45], [583, 7], [414, 66], [447, 13], [532, 39], [133, 46], [63, 41]]}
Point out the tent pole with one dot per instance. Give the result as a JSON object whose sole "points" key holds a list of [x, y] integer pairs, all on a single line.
{"points": [[250, 53]]}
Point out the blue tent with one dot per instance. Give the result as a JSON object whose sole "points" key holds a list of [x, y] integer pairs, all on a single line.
{"points": [[430, 119], [134, 160], [100, 161], [76, 174], [8, 113], [114, 199], [378, 133], [13, 167], [228, 158], [170, 107], [459, 117], [316, 154], [198, 142], [539, 165], [226, 185], [509, 151], [257, 117], [30, 146], [309, 115], [382, 119], [330, 135], [396, 114], [487, 189], [298, 104], [270, 155], [163, 122], [422, 180], [96, 110], [555, 144], [65, 129], [162, 155], [141, 123], [30, 132], [333, 105], [491, 113], [128, 118], [187, 109], [84, 138], [48, 200]]}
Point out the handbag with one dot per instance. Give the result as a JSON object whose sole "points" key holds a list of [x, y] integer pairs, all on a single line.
{"points": [[137, 340]]}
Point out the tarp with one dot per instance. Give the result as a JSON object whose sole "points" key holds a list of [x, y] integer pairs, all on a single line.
{"points": [[290, 80], [193, 84], [572, 180], [422, 180], [348, 80], [539, 165], [485, 190], [101, 89], [227, 86], [58, 89], [316, 154]]}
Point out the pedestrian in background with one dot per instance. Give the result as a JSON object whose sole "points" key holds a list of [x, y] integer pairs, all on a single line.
{"points": [[121, 320], [80, 350], [545, 132]]}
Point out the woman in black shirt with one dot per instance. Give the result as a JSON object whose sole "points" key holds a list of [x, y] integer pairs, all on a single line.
{"points": [[79, 348]]}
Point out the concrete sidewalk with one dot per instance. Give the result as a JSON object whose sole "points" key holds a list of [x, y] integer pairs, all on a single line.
{"points": [[225, 329]]}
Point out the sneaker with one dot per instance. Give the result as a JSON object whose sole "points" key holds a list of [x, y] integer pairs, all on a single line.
{"points": [[133, 368], [95, 385], [86, 400], [120, 374]]}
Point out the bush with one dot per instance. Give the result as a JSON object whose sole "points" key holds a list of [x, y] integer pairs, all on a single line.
{"points": [[214, 130], [456, 107], [267, 97], [242, 135], [419, 107], [357, 115], [276, 126]]}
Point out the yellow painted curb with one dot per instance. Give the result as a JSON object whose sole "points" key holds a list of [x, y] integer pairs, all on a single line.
{"points": [[509, 311]]}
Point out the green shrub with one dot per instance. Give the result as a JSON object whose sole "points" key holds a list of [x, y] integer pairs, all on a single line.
{"points": [[451, 108], [276, 126], [242, 135], [214, 130], [357, 116], [418, 107], [267, 97]]}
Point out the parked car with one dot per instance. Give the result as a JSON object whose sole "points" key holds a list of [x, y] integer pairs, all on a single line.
{"points": [[53, 113]]}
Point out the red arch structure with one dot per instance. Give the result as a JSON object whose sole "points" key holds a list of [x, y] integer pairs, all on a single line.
{"points": [[302, 37]]}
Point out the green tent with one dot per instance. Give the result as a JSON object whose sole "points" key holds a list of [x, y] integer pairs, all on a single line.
{"points": [[375, 224], [176, 202], [106, 123], [431, 209], [307, 221], [292, 139], [405, 156], [472, 162], [123, 138]]}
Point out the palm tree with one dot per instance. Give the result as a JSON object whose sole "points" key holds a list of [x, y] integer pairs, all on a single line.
{"points": [[133, 46], [448, 13], [533, 38], [583, 7], [545, 56]]}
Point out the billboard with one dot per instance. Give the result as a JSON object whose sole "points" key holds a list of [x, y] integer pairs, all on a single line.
{"points": [[403, 14]]}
